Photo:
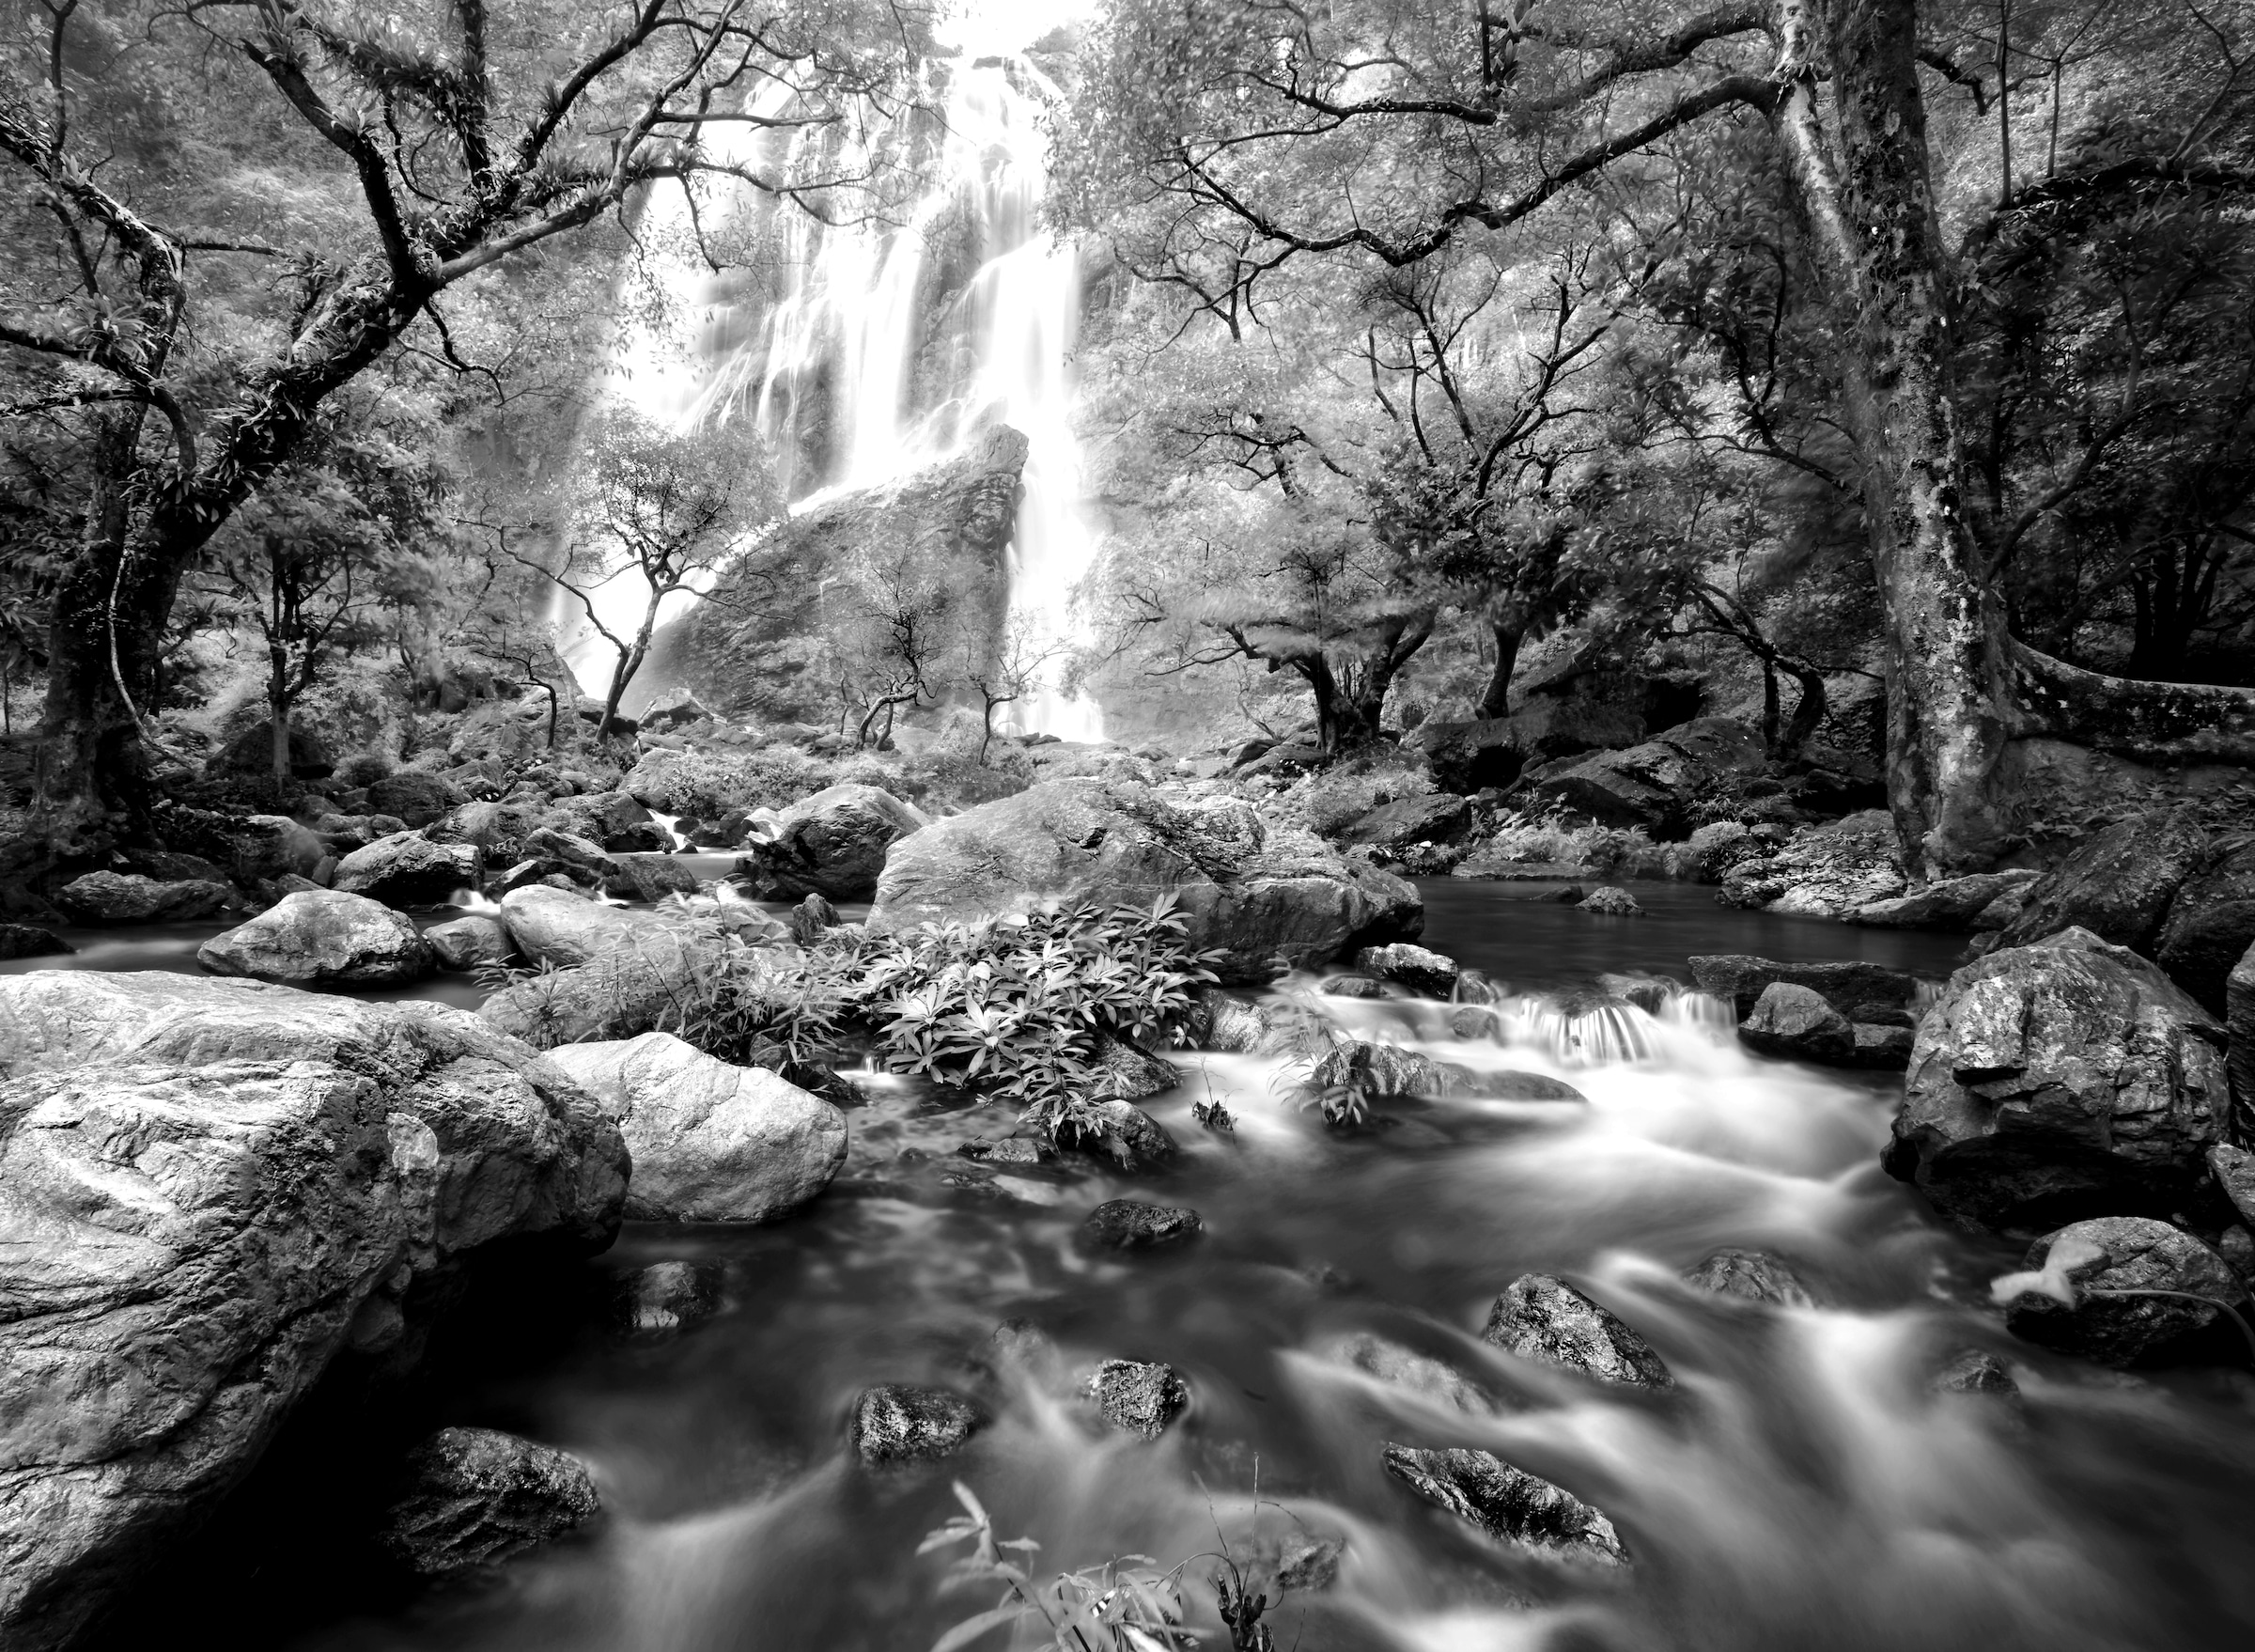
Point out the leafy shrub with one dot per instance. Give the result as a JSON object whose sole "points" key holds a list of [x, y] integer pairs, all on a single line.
{"points": [[1107, 1607], [709, 782], [1330, 800], [1019, 1006], [1625, 851]]}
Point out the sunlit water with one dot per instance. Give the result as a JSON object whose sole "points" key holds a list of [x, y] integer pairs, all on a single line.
{"points": [[1805, 1489]]}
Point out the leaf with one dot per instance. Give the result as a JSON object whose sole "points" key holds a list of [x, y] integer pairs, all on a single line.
{"points": [[971, 1628]]}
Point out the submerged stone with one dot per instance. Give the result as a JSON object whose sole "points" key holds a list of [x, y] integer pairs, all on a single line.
{"points": [[1129, 1224], [478, 1497], [1751, 1276]]}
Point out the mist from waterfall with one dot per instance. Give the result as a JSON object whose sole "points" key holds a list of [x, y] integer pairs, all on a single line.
{"points": [[854, 377]]}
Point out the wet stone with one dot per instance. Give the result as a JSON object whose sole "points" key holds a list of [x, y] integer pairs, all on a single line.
{"points": [[1123, 1133], [1546, 1320], [1421, 1373], [1308, 1563], [667, 1297], [1351, 987], [1137, 1396], [1129, 1224], [1609, 900], [1978, 1372], [898, 1422], [1010, 1150], [1507, 1503], [1419, 968], [475, 1497], [1474, 1021], [1751, 1276]]}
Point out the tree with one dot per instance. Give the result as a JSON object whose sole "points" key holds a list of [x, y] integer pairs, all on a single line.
{"points": [[899, 621], [1008, 673], [656, 514], [1241, 140], [459, 142]]}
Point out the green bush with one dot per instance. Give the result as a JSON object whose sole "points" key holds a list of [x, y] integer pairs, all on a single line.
{"points": [[1625, 851]]}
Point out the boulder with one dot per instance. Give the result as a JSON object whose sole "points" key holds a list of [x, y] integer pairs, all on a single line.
{"points": [[265, 846], [416, 797], [497, 829], [898, 1422], [105, 898], [1128, 1072], [832, 844], [252, 751], [30, 941], [1421, 1373], [1507, 1503], [1352, 985], [1122, 1132], [1389, 1071], [477, 1497], [1860, 992], [2056, 1080], [1137, 1396], [1130, 1224], [1418, 968], [208, 1189], [2063, 1302], [464, 943], [1545, 1320], [709, 1142], [2234, 1171], [1751, 1276], [649, 876], [556, 927], [1799, 1023], [568, 848], [322, 938], [1470, 755], [407, 869], [667, 1297], [1224, 1022], [1955, 903], [615, 820], [2118, 885], [630, 990], [1827, 871], [1656, 785], [1268, 900], [2239, 1009], [2210, 925], [1435, 817]]}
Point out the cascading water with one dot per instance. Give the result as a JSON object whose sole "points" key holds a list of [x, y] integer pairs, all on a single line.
{"points": [[878, 357]]}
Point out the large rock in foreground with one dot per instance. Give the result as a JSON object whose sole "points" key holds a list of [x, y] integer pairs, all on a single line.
{"points": [[2062, 1080], [832, 844], [322, 936], [1267, 901], [208, 1189], [710, 1142]]}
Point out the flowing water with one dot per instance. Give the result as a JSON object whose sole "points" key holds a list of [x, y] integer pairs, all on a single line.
{"points": [[887, 344], [1805, 1487]]}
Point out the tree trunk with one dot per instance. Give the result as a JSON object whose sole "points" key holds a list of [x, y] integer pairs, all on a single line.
{"points": [[1496, 702], [1807, 713], [1874, 219]]}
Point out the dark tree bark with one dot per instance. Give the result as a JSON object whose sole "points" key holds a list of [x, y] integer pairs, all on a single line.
{"points": [[1496, 702]]}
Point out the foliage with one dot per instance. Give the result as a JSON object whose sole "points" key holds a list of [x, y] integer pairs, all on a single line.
{"points": [[1558, 834], [1115, 1607], [1019, 1006]]}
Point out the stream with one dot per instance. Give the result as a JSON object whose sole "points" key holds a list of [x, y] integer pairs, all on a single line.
{"points": [[1805, 1487]]}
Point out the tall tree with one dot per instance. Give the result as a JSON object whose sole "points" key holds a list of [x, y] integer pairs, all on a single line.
{"points": [[1238, 139], [465, 136]]}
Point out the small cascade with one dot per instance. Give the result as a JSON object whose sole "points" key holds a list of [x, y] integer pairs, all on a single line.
{"points": [[1699, 1011], [1598, 1036]]}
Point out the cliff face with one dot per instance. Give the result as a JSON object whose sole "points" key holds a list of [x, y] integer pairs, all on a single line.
{"points": [[760, 645]]}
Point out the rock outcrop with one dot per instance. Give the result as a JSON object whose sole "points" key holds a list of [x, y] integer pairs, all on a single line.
{"points": [[1834, 870], [321, 938], [2210, 925], [2117, 884], [110, 898], [2065, 1079], [210, 1188], [832, 844], [1655, 785], [765, 658], [1267, 901], [710, 1142]]}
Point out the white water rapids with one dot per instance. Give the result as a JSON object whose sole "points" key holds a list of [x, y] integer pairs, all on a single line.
{"points": [[868, 363]]}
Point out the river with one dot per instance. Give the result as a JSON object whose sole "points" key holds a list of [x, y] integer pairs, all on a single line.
{"points": [[1804, 1488]]}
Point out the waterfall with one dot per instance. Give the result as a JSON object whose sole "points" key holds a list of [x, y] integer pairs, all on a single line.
{"points": [[879, 349]]}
